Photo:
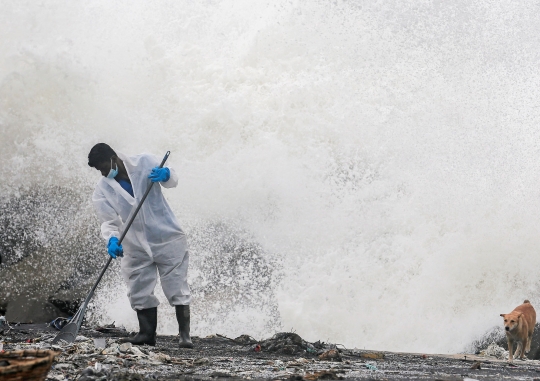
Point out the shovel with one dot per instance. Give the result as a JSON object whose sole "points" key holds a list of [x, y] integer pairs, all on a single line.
{"points": [[70, 331]]}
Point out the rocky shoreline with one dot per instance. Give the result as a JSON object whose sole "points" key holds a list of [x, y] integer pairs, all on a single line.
{"points": [[286, 356]]}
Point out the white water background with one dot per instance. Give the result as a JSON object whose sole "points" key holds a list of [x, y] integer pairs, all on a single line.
{"points": [[383, 154]]}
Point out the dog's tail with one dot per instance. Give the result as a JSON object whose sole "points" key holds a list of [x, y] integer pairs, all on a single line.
{"points": [[526, 301]]}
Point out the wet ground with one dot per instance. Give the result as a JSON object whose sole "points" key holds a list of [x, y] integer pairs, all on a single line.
{"points": [[97, 356]]}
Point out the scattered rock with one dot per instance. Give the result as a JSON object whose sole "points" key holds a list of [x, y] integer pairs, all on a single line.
{"points": [[476, 365]]}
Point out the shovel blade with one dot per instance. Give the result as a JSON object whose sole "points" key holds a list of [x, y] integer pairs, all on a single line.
{"points": [[68, 333]]}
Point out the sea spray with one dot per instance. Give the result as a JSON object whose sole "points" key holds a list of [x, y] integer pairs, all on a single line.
{"points": [[382, 156]]}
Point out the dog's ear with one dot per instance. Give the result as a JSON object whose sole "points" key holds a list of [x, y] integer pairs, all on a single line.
{"points": [[503, 315]]}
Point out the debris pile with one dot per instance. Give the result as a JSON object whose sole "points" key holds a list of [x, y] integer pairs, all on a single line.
{"points": [[289, 343], [331, 355], [493, 350], [98, 356]]}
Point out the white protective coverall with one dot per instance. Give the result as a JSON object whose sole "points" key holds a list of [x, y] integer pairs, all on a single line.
{"points": [[154, 243]]}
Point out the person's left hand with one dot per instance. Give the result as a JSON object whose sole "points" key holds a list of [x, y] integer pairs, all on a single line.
{"points": [[159, 174]]}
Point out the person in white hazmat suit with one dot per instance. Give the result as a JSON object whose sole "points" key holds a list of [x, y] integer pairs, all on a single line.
{"points": [[154, 244]]}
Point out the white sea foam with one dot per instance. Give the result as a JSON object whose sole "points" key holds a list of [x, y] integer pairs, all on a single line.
{"points": [[384, 155]]}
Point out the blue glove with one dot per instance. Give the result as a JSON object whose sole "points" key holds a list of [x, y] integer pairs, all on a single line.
{"points": [[114, 248], [159, 174]]}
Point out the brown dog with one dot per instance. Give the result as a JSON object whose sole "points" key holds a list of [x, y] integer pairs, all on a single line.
{"points": [[519, 328]]}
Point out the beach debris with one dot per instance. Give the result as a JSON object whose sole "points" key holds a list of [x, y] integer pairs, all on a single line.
{"points": [[111, 350], [372, 355], [90, 374], [100, 343], [245, 340], [99, 358], [200, 361], [371, 366], [493, 350], [220, 373], [56, 377], [59, 323], [257, 348], [284, 342], [299, 362], [111, 328], [125, 347], [448, 377], [331, 355], [323, 375], [476, 365], [136, 351], [63, 366]]}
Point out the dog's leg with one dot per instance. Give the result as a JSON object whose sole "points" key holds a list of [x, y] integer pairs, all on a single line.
{"points": [[529, 337], [510, 348], [519, 350]]}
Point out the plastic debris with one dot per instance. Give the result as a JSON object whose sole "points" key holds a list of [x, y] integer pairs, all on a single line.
{"points": [[137, 352], [112, 349], [370, 366], [100, 343], [125, 347], [59, 323]]}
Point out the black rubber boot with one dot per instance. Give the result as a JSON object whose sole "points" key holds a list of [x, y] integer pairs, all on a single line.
{"points": [[147, 328], [182, 315]]}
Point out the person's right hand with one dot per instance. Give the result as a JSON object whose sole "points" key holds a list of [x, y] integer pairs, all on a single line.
{"points": [[114, 248]]}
